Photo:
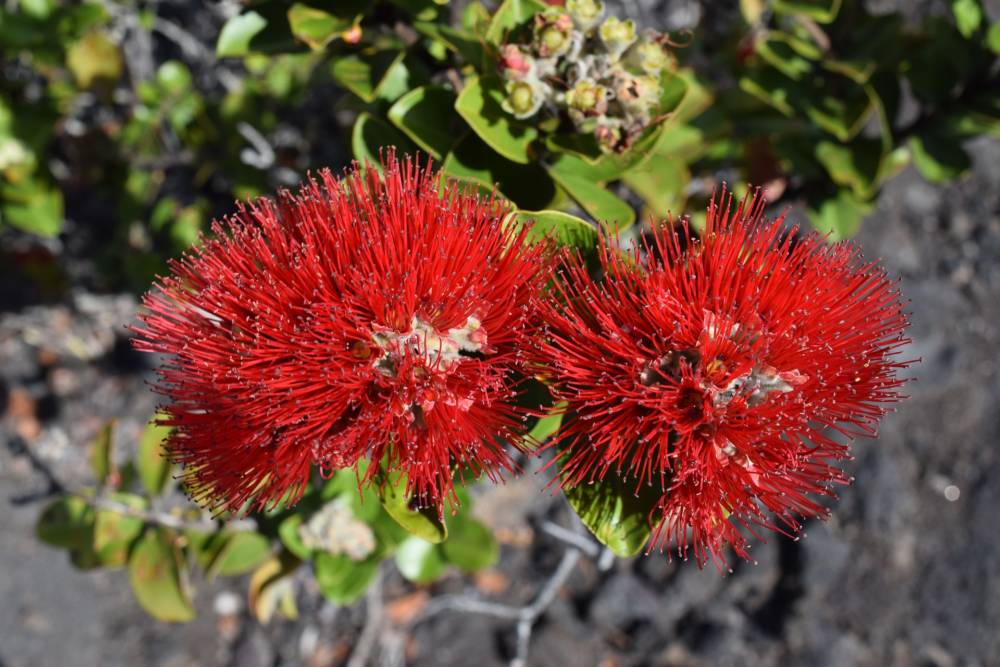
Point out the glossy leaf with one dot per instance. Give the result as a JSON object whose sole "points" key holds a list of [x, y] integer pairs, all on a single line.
{"points": [[241, 552], [427, 116], [661, 182], [854, 165], [471, 545], [66, 522], [371, 134], [968, 16], [422, 522], [33, 205], [548, 425], [940, 158], [565, 229], [365, 73], [151, 458], [102, 462], [158, 578], [420, 561], [598, 202], [342, 580], [509, 15], [993, 37], [529, 186], [839, 215], [234, 40], [115, 532], [317, 28], [613, 511], [288, 531], [479, 104]]}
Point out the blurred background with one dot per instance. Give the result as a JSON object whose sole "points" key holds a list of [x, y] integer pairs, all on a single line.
{"points": [[126, 127]]}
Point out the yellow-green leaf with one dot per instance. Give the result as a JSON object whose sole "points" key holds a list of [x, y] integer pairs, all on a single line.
{"points": [[158, 578]]}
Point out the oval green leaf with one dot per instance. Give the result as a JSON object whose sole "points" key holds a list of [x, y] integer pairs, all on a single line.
{"points": [[479, 104], [470, 546], [158, 578], [422, 522], [614, 513], [427, 116], [341, 580], [419, 560]]}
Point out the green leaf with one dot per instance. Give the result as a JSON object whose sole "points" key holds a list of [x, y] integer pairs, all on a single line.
{"points": [[968, 16], [102, 453], [469, 47], [114, 532], [93, 59], [777, 51], [470, 546], [993, 37], [32, 205], [364, 74], [158, 578], [939, 157], [613, 511], [939, 62], [342, 580], [511, 14], [527, 185], [835, 103], [661, 182], [288, 531], [874, 43], [839, 215], [241, 552], [371, 134], [548, 425], [420, 561], [318, 28], [566, 230], [823, 11], [427, 116], [151, 458], [600, 204], [479, 104], [855, 165], [234, 40], [66, 522], [422, 522]]}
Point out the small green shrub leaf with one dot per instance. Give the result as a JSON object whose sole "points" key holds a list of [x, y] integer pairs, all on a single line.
{"points": [[158, 578]]}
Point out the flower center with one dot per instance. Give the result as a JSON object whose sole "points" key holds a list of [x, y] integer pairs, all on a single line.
{"points": [[421, 358]]}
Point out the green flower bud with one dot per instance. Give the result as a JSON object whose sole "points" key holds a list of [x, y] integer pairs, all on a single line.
{"points": [[524, 99], [650, 57], [617, 35], [553, 34], [588, 98], [585, 13]]}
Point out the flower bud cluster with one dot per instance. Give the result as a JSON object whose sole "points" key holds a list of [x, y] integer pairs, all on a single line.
{"points": [[598, 71]]}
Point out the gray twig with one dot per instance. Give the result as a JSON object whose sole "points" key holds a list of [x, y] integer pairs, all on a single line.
{"points": [[161, 518], [524, 616], [373, 624]]}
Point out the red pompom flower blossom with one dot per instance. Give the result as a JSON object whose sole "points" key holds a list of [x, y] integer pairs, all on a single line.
{"points": [[715, 369], [378, 316]]}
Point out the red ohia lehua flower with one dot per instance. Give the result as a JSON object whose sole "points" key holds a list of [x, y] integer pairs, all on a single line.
{"points": [[712, 368], [367, 316]]}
